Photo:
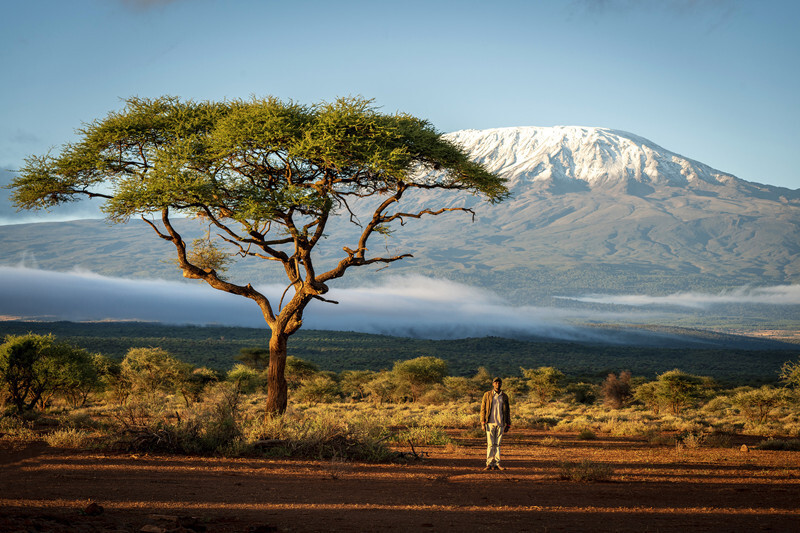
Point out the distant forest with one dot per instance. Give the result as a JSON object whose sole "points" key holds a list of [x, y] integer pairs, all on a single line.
{"points": [[217, 347]]}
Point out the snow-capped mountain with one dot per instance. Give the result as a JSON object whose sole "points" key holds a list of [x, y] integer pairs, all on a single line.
{"points": [[595, 156]]}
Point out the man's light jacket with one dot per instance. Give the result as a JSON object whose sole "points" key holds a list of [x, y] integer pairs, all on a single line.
{"points": [[486, 406]]}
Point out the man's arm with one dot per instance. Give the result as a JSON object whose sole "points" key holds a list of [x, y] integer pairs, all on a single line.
{"points": [[507, 413], [483, 412]]}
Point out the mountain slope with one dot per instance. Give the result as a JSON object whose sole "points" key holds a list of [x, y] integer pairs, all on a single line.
{"points": [[589, 197], [592, 210]]}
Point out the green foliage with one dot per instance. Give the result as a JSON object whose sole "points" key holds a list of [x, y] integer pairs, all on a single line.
{"points": [[586, 470], [582, 392], [298, 370], [543, 382], [420, 373], [386, 387], [319, 389], [255, 358], [150, 371], [246, 380], [267, 175], [758, 405], [217, 347], [461, 388], [790, 374], [422, 436], [791, 445], [679, 390], [34, 368], [648, 394], [354, 383]]}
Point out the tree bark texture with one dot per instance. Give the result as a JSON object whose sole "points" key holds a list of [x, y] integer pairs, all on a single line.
{"points": [[277, 390]]}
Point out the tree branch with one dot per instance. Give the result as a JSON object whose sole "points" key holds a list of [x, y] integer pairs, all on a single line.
{"points": [[210, 276]]}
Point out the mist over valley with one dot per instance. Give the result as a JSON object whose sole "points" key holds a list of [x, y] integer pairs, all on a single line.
{"points": [[603, 227]]}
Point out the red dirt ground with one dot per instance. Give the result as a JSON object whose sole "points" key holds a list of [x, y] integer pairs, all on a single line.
{"points": [[653, 488]]}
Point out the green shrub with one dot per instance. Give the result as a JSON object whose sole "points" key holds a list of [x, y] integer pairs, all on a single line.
{"points": [[549, 442], [320, 437], [693, 440], [586, 470], [34, 368], [67, 438], [319, 389], [423, 435], [758, 405], [792, 445], [583, 393], [587, 434], [420, 374], [543, 383]]}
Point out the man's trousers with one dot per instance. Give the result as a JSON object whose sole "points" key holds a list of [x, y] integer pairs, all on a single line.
{"points": [[494, 434]]}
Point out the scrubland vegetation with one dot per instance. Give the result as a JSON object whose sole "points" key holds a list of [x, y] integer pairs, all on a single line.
{"points": [[151, 401]]}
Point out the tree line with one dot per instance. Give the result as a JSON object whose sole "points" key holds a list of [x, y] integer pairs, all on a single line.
{"points": [[36, 369]]}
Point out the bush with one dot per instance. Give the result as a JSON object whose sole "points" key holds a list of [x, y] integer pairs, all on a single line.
{"points": [[792, 445], [543, 383], [319, 389], [423, 435], [245, 379], [67, 438], [587, 434], [34, 368], [354, 383], [757, 405], [211, 426], [583, 393], [298, 370], [385, 387], [321, 437], [693, 440], [419, 374], [790, 374], [150, 371], [680, 390], [617, 391], [436, 395]]}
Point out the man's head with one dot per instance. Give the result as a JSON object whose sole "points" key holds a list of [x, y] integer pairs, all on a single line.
{"points": [[497, 383]]}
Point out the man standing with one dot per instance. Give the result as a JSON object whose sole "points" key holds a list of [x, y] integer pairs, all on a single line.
{"points": [[495, 420]]}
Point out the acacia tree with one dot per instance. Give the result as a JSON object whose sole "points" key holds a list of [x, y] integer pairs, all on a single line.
{"points": [[268, 176]]}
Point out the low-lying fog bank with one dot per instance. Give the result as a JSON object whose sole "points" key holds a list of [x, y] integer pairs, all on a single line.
{"points": [[404, 306]]}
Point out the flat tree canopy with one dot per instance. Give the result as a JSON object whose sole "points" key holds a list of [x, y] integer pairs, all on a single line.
{"points": [[267, 175]]}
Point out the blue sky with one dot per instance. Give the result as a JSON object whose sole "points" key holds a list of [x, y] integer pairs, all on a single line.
{"points": [[713, 80]]}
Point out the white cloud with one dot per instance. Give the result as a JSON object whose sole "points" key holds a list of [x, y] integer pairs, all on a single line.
{"points": [[404, 306], [776, 295]]}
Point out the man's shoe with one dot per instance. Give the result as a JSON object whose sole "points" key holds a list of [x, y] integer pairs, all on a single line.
{"points": [[498, 467], [487, 467]]}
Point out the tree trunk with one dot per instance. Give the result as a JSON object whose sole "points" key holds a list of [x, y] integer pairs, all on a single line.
{"points": [[277, 390]]}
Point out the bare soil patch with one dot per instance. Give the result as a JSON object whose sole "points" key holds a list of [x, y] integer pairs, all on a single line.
{"points": [[653, 488]]}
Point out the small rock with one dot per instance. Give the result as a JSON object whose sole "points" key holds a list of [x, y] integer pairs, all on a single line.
{"points": [[744, 448], [93, 509]]}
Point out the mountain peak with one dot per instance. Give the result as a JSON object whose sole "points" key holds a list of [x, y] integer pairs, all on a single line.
{"points": [[582, 157]]}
